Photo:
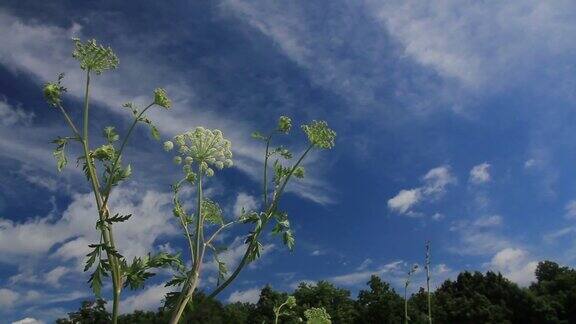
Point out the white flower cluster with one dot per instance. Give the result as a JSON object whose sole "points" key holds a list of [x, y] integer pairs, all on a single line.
{"points": [[207, 148]]}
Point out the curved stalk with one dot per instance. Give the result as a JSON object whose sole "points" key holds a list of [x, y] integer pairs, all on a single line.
{"points": [[269, 213], [117, 159], [199, 248]]}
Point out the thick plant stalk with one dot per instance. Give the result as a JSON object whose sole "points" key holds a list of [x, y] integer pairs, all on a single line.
{"points": [[102, 209], [199, 249]]}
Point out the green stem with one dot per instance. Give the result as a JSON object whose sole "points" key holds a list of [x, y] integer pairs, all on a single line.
{"points": [[106, 234], [269, 213], [117, 159], [199, 249]]}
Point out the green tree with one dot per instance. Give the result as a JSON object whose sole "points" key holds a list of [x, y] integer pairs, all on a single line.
{"points": [[93, 312], [380, 304], [336, 301], [556, 288]]}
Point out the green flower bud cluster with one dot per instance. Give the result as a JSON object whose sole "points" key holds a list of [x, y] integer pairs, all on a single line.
{"points": [[161, 98], [207, 148], [319, 134], [291, 301], [94, 57], [284, 124], [53, 91]]}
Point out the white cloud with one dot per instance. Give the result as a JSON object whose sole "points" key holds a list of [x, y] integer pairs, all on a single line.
{"points": [[245, 296], [246, 202], [8, 297], [480, 173], [435, 182], [317, 253], [25, 50], [362, 276], [10, 116], [480, 236], [515, 265], [404, 200], [54, 275], [488, 221], [148, 299], [485, 44], [365, 264], [34, 238], [28, 320], [570, 209]]}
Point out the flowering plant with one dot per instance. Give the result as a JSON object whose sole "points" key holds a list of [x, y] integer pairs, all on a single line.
{"points": [[106, 159], [201, 151]]}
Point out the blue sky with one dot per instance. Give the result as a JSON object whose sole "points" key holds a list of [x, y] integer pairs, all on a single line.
{"points": [[455, 124]]}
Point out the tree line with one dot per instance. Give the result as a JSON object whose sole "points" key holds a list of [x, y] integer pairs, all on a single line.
{"points": [[473, 297]]}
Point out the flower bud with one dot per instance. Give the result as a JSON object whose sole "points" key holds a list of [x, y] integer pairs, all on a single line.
{"points": [[161, 98], [177, 160], [168, 145]]}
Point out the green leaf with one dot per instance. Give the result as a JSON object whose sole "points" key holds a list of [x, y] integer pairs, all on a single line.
{"points": [[212, 212], [111, 251], [222, 269], [176, 281], [258, 135], [92, 255], [289, 239], [118, 218], [110, 134], [59, 152], [256, 252], [95, 279]]}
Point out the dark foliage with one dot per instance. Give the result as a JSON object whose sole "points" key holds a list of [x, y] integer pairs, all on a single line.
{"points": [[471, 298]]}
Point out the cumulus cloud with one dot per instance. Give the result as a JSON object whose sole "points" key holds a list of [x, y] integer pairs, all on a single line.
{"points": [[434, 186], [34, 238], [514, 264], [148, 299], [480, 173]]}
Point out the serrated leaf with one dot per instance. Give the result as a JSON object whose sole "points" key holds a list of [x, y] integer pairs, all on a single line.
{"points": [[92, 256], [289, 239], [212, 212], [60, 153], [95, 279], [118, 218]]}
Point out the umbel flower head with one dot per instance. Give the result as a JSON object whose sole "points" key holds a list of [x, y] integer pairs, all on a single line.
{"points": [[94, 57], [319, 134], [161, 98], [284, 124], [208, 149]]}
